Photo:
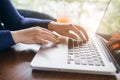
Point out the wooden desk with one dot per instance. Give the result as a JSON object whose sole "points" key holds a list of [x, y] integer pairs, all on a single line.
{"points": [[15, 65]]}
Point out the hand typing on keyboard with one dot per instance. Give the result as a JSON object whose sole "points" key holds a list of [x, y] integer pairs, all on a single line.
{"points": [[70, 30]]}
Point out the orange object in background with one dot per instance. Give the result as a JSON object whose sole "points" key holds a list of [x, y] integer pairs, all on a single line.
{"points": [[63, 12], [62, 19], [115, 45]]}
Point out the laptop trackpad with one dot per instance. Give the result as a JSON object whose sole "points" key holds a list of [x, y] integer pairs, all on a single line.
{"points": [[49, 56]]}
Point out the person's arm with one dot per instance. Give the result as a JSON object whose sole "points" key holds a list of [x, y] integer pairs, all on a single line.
{"points": [[6, 39], [34, 35], [14, 21]]}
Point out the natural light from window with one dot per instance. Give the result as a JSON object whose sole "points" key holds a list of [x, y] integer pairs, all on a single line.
{"points": [[87, 13]]}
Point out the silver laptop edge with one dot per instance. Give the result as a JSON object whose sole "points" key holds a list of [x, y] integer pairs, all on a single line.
{"points": [[109, 69]]}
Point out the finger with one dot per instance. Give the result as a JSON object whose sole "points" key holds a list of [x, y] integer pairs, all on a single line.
{"points": [[83, 31], [50, 38], [42, 41], [48, 35], [44, 31], [47, 32], [78, 33], [56, 35], [70, 35]]}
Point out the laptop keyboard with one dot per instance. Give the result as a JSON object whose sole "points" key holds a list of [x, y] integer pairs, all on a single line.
{"points": [[83, 54]]}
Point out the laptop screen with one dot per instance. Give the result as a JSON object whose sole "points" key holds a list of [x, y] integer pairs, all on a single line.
{"points": [[110, 24]]}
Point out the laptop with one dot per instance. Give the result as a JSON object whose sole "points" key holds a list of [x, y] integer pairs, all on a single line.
{"points": [[93, 57]]}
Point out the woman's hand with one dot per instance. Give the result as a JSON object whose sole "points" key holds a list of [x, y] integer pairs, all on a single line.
{"points": [[34, 35], [65, 28]]}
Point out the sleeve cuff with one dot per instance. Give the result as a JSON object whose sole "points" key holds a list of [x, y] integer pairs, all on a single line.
{"points": [[29, 22], [6, 39]]}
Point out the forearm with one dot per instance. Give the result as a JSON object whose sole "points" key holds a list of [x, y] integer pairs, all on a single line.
{"points": [[14, 21], [9, 15], [6, 39]]}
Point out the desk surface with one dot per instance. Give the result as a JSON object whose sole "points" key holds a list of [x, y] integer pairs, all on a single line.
{"points": [[15, 65]]}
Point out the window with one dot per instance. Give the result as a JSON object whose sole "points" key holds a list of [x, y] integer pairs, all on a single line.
{"points": [[84, 12]]}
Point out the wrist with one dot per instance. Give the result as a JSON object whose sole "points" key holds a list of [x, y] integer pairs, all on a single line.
{"points": [[51, 26], [15, 36]]}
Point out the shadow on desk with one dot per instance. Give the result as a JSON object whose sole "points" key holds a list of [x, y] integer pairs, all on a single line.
{"points": [[15, 65]]}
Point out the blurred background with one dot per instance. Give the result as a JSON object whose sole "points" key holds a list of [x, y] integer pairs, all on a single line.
{"points": [[87, 13]]}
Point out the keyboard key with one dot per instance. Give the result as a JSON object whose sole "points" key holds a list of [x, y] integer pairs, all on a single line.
{"points": [[84, 54]]}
